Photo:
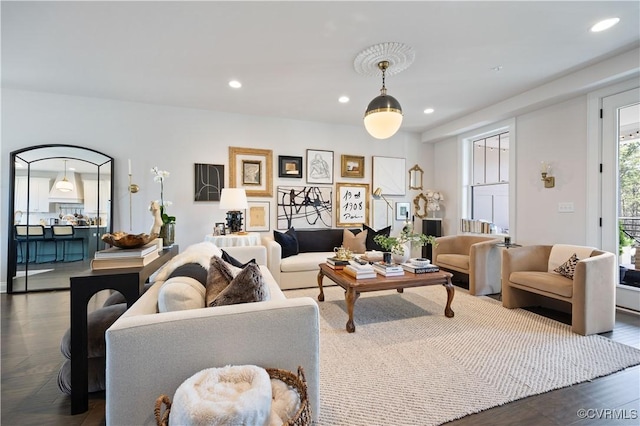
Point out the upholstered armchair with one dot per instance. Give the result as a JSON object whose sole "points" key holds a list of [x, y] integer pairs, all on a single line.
{"points": [[528, 279], [474, 255]]}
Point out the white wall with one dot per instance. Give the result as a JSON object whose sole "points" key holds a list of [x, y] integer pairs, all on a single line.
{"points": [[174, 139], [557, 133]]}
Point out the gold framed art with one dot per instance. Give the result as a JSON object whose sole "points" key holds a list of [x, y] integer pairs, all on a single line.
{"points": [[352, 166], [352, 204], [251, 169]]}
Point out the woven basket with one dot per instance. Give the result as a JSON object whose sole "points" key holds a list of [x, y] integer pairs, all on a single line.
{"points": [[299, 383]]}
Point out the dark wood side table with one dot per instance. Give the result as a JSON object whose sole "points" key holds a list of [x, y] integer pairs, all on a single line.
{"points": [[128, 281]]}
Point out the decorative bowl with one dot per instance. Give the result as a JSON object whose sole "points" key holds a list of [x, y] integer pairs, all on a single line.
{"points": [[420, 262], [128, 241]]}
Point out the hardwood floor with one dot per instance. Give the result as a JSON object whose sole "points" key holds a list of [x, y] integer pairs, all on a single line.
{"points": [[33, 324]]}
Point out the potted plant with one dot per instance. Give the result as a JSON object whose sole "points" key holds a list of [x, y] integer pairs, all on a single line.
{"points": [[399, 246]]}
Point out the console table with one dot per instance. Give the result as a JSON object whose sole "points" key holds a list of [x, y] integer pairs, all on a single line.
{"points": [[130, 283]]}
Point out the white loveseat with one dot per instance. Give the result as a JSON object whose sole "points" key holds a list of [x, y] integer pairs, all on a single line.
{"points": [[151, 353]]}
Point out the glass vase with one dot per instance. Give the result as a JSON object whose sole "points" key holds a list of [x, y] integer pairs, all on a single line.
{"points": [[168, 234]]}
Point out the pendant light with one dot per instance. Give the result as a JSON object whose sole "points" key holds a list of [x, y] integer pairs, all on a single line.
{"points": [[384, 113], [64, 185]]}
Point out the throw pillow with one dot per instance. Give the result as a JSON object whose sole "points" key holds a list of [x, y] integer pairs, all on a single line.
{"points": [[191, 270], [179, 294], [288, 241], [97, 323], [248, 286], [235, 262], [220, 275], [371, 234], [568, 268], [357, 243]]}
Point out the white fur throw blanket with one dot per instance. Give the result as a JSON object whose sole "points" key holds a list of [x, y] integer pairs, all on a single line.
{"points": [[233, 395]]}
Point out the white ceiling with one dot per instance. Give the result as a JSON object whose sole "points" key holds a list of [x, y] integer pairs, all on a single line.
{"points": [[296, 58]]}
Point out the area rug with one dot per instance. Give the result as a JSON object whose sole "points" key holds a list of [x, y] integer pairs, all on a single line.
{"points": [[407, 364]]}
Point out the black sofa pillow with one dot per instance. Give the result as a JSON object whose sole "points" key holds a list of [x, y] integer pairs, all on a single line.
{"points": [[235, 262], [318, 240], [371, 244], [288, 241]]}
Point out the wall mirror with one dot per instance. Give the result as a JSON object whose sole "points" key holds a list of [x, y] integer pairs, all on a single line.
{"points": [[420, 206], [415, 177], [60, 206]]}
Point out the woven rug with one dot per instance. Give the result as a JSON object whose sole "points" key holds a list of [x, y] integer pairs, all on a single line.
{"points": [[407, 364]]}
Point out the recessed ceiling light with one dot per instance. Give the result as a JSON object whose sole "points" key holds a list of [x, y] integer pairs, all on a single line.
{"points": [[429, 110], [72, 168], [343, 99], [497, 68], [604, 25], [235, 84]]}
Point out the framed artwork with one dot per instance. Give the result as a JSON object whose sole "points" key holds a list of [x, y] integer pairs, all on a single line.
{"points": [[258, 216], [209, 181], [251, 172], [289, 167], [251, 169], [319, 166], [352, 166], [381, 214], [352, 204], [304, 207], [389, 175], [219, 229], [403, 211]]}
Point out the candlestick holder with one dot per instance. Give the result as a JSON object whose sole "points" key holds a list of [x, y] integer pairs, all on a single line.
{"points": [[133, 188]]}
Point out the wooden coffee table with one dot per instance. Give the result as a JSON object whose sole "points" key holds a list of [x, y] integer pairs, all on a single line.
{"points": [[354, 287]]}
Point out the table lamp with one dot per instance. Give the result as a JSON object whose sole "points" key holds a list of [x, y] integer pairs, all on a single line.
{"points": [[234, 200]]}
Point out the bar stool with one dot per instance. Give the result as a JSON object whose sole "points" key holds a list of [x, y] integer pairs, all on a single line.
{"points": [[26, 234], [66, 235]]}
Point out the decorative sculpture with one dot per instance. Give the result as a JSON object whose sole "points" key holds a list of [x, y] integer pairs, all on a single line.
{"points": [[125, 240]]}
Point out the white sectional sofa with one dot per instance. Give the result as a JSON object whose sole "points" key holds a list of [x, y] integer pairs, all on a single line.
{"points": [[151, 353]]}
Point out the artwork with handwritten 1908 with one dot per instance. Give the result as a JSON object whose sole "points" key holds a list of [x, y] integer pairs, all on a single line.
{"points": [[304, 207], [352, 204]]}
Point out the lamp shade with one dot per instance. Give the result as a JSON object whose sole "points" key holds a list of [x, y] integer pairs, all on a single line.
{"points": [[233, 199], [63, 185], [383, 117]]}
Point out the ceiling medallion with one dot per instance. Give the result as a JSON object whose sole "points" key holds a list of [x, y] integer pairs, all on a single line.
{"points": [[399, 55]]}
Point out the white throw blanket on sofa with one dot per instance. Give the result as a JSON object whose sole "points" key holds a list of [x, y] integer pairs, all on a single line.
{"points": [[233, 395]]}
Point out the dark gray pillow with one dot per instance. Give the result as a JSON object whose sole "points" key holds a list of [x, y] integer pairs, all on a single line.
{"points": [[248, 286], [191, 270], [96, 375], [97, 323], [288, 241], [371, 244]]}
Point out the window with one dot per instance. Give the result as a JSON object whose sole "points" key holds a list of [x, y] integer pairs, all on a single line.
{"points": [[490, 185]]}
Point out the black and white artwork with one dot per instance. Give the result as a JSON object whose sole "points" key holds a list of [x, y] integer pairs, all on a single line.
{"points": [[319, 166], [304, 207], [209, 181]]}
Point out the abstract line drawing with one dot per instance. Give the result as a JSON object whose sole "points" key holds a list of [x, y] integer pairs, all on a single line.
{"points": [[209, 181], [319, 166], [304, 207]]}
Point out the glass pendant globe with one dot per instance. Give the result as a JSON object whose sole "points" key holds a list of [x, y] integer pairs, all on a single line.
{"points": [[383, 124]]}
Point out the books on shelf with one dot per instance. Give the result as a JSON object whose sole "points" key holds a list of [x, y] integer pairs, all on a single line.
{"points": [[360, 273], [116, 252], [409, 267], [125, 262]]}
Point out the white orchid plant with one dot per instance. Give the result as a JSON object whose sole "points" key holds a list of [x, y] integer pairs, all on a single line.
{"points": [[160, 176]]}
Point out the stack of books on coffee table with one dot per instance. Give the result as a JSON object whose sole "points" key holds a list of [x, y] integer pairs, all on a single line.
{"points": [[422, 269], [359, 271], [114, 257], [335, 263], [388, 269]]}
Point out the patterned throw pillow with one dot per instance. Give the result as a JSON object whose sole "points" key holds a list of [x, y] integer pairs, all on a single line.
{"points": [[568, 268], [248, 286]]}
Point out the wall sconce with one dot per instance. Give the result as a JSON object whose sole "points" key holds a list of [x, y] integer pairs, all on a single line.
{"points": [[545, 170]]}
